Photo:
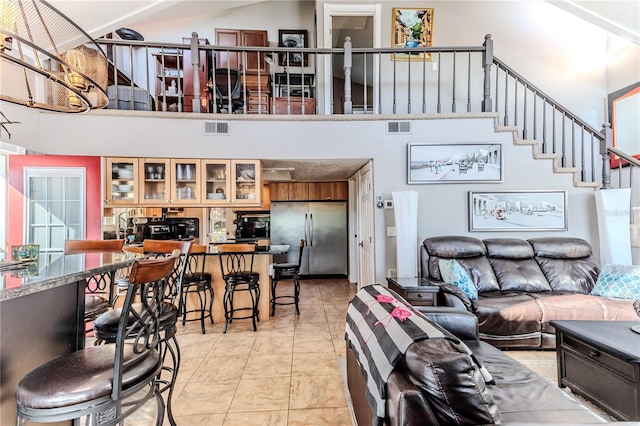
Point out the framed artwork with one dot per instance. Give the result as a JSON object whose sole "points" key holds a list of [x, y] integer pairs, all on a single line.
{"points": [[624, 106], [518, 211], [411, 28], [293, 38], [454, 163]]}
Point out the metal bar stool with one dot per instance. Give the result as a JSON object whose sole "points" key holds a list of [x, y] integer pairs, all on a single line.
{"points": [[105, 325], [198, 282], [236, 266], [99, 288], [286, 271], [105, 384]]}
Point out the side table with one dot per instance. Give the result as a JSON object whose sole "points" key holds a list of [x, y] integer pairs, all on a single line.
{"points": [[416, 291], [600, 360]]}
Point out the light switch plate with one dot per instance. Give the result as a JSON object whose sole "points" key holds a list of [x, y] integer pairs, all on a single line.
{"points": [[391, 231]]}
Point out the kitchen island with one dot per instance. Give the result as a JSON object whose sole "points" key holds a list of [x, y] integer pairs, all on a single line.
{"points": [[42, 314], [262, 261]]}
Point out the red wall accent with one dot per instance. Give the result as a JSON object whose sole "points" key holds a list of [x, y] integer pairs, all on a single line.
{"points": [[93, 197]]}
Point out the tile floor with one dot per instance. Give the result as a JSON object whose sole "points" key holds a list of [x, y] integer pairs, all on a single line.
{"points": [[287, 373]]}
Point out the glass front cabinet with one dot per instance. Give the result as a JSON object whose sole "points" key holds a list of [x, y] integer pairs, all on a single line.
{"points": [[236, 182], [183, 182], [121, 181], [154, 176]]}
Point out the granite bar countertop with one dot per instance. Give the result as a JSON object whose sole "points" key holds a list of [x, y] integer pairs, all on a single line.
{"points": [[56, 269]]}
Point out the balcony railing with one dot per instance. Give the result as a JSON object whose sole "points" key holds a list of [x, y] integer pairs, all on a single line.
{"points": [[348, 80]]}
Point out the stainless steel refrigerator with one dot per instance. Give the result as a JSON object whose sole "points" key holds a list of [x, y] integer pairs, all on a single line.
{"points": [[322, 224]]}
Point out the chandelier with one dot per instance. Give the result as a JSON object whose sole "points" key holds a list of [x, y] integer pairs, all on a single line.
{"points": [[47, 61]]}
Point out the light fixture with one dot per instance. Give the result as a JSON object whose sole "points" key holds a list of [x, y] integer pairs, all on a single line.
{"points": [[50, 62], [277, 174]]}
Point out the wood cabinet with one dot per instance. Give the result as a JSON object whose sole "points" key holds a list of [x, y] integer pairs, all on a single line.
{"points": [[258, 93], [252, 61], [121, 181], [232, 182], [169, 80], [203, 77], [293, 105], [164, 182], [185, 183], [289, 191], [328, 191]]}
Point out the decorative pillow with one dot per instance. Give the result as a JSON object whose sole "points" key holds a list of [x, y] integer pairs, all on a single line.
{"points": [[619, 281], [453, 273]]}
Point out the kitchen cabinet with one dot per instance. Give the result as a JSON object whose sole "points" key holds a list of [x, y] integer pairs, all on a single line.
{"points": [[203, 77], [169, 80], [232, 182], [289, 191], [163, 182], [154, 181], [252, 61], [185, 184], [166, 181], [121, 181], [328, 191]]}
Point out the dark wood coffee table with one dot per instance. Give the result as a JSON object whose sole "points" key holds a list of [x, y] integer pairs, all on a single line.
{"points": [[416, 291], [600, 360]]}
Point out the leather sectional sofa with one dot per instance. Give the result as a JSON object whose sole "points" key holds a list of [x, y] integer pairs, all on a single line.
{"points": [[522, 285], [519, 395]]}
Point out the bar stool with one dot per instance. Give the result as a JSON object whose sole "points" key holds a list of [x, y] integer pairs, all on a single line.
{"points": [[105, 325], [287, 271], [198, 282], [105, 384], [236, 266], [99, 288]]}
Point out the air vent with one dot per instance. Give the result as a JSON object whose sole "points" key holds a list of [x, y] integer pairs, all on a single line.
{"points": [[399, 127], [216, 128]]}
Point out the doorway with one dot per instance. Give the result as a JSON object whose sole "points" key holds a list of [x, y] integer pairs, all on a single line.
{"points": [[362, 24]]}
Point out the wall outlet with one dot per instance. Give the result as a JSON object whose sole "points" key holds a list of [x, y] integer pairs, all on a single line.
{"points": [[434, 66], [391, 231], [392, 273]]}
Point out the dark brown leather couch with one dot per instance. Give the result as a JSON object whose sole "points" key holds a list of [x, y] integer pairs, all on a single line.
{"points": [[521, 395], [523, 285]]}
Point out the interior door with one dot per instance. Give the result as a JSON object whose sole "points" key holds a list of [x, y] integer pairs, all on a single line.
{"points": [[366, 243], [362, 24]]}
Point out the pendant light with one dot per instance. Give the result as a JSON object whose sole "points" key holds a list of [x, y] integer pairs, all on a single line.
{"points": [[47, 61]]}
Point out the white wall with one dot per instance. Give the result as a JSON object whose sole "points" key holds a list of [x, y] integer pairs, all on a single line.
{"points": [[442, 208]]}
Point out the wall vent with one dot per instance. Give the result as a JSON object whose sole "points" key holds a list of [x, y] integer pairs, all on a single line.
{"points": [[398, 127], [216, 128]]}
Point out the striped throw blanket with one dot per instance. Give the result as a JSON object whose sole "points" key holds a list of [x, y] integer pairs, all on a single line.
{"points": [[380, 327]]}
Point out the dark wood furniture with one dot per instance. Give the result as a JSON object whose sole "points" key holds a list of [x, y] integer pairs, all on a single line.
{"points": [[416, 291], [252, 61], [601, 361], [293, 105]]}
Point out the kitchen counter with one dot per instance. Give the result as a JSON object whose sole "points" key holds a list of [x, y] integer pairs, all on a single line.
{"points": [[42, 314]]}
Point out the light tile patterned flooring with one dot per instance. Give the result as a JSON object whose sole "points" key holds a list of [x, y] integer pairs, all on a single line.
{"points": [[286, 373], [289, 372]]}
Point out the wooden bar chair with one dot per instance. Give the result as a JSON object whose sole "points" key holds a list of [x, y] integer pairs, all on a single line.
{"points": [[236, 266], [105, 325], [99, 288], [105, 384]]}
